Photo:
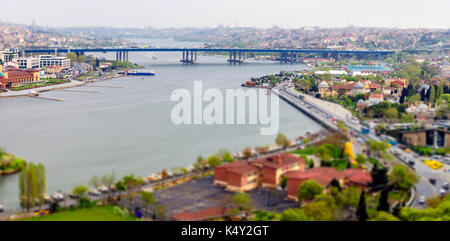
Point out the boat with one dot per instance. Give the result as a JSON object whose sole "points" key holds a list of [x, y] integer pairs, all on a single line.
{"points": [[141, 72]]}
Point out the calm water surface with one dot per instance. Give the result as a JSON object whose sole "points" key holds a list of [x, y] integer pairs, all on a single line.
{"points": [[128, 130]]}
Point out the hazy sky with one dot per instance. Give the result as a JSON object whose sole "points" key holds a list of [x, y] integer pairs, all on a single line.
{"points": [[210, 13]]}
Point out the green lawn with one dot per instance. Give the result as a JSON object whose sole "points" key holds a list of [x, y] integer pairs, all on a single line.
{"points": [[103, 213]]}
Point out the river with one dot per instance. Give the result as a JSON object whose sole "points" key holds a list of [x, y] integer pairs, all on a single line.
{"points": [[129, 130]]}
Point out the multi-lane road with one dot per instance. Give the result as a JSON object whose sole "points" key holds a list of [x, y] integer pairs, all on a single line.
{"points": [[423, 187]]}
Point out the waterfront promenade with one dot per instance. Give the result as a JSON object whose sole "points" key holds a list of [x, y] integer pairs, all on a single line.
{"points": [[73, 83]]}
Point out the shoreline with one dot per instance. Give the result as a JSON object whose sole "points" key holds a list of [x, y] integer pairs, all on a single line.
{"points": [[71, 84]]}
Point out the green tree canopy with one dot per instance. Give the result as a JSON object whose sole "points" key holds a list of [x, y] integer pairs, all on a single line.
{"points": [[309, 189]]}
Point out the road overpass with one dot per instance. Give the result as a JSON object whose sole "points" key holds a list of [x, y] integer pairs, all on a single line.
{"points": [[236, 55]]}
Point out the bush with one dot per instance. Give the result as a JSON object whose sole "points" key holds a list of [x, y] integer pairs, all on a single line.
{"points": [[423, 150]]}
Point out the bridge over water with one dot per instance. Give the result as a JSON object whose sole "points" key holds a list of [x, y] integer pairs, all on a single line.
{"points": [[236, 55]]}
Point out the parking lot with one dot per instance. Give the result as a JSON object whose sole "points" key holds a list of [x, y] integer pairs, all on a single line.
{"points": [[201, 194]]}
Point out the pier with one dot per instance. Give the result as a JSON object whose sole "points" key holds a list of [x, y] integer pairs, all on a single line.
{"points": [[104, 86], [46, 98], [82, 91]]}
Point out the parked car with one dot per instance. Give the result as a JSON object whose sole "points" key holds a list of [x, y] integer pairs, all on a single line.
{"points": [[103, 189], [422, 200], [432, 181], [94, 192], [442, 192], [57, 196], [445, 185], [411, 163]]}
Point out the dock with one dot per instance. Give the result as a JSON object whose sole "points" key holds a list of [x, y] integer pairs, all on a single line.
{"points": [[104, 86], [46, 98], [82, 91]]}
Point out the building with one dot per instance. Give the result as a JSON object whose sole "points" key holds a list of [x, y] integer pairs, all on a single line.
{"points": [[13, 77], [342, 89], [265, 172], [324, 176], [28, 62], [53, 69], [324, 89], [375, 99], [359, 88], [50, 60], [8, 55], [426, 137]]}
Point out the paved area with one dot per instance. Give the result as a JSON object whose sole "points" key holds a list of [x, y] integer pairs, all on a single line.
{"points": [[201, 194], [11, 93]]}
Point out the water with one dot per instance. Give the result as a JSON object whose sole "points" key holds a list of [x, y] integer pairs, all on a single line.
{"points": [[128, 130]]}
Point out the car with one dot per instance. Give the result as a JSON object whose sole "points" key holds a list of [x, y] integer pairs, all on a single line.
{"points": [[1, 208], [442, 192], [411, 163], [436, 157], [103, 189], [445, 185], [422, 200], [432, 181], [94, 192], [57, 196]]}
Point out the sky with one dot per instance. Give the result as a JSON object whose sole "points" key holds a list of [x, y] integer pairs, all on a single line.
{"points": [[232, 13]]}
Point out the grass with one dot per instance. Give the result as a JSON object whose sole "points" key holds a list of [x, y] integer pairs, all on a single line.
{"points": [[40, 84], [98, 213]]}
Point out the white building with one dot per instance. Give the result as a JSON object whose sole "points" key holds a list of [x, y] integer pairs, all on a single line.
{"points": [[28, 62], [8, 55], [50, 60]]}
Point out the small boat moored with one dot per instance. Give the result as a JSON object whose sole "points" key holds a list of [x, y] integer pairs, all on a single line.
{"points": [[141, 72]]}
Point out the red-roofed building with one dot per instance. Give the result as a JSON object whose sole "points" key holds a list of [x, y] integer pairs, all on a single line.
{"points": [[266, 172], [201, 215], [13, 77], [324, 176]]}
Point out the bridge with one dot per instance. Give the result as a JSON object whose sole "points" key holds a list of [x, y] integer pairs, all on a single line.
{"points": [[236, 55]]}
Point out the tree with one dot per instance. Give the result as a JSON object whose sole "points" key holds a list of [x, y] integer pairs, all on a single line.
{"points": [[242, 203], [31, 185], [379, 177], [214, 161], [383, 204], [309, 189], [95, 181], [360, 159], [407, 118], [401, 178], [148, 199], [319, 210], [432, 94], [391, 113], [283, 182], [72, 57], [349, 197], [200, 163], [247, 153], [80, 191], [440, 90], [295, 214], [361, 212], [227, 157], [384, 216], [282, 140]]}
